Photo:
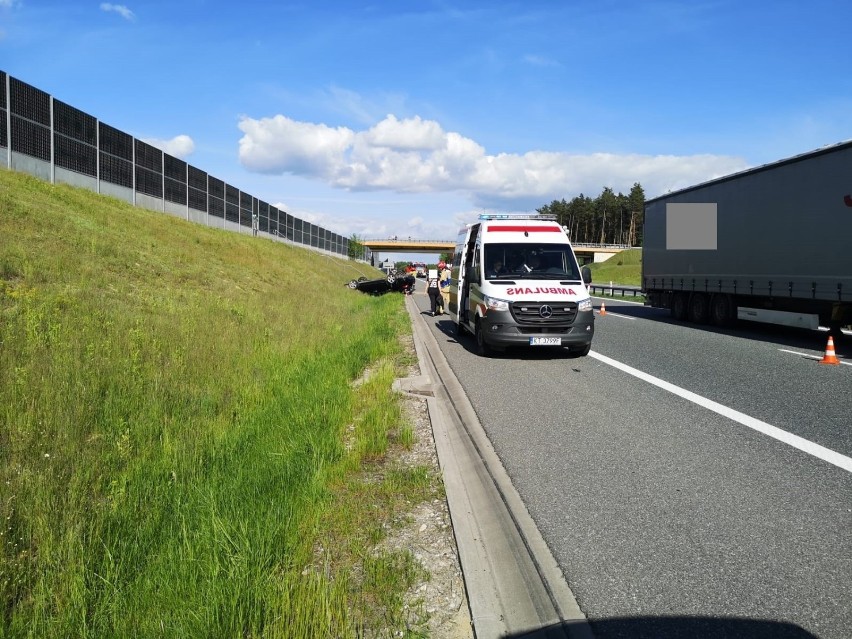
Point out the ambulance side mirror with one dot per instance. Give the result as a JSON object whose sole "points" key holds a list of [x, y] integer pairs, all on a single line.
{"points": [[587, 275]]}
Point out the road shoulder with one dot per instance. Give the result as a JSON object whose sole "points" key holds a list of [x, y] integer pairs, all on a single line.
{"points": [[514, 586]]}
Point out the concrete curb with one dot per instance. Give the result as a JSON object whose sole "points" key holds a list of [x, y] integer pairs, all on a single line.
{"points": [[515, 587]]}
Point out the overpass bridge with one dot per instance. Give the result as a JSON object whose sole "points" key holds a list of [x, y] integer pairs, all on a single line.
{"points": [[395, 245], [586, 253]]}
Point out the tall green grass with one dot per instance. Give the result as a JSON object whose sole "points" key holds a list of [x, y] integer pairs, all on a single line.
{"points": [[182, 450]]}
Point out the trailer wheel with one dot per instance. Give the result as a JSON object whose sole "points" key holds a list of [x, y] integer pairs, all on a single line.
{"points": [[679, 306], [699, 311], [721, 310], [481, 345]]}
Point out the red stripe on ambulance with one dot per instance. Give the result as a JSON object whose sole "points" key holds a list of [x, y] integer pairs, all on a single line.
{"points": [[525, 229]]}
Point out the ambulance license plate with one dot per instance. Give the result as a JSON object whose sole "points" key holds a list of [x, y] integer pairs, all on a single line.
{"points": [[545, 341]]}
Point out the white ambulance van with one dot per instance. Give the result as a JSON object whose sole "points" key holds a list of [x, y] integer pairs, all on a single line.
{"points": [[516, 282]]}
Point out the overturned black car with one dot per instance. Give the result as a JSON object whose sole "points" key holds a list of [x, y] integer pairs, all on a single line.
{"points": [[394, 282]]}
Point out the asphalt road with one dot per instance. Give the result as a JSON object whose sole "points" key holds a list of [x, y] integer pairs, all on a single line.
{"points": [[667, 518]]}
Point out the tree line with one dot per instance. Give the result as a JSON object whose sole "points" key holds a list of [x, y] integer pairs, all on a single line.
{"points": [[606, 219]]}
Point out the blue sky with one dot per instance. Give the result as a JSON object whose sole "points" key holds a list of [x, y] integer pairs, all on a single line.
{"points": [[409, 118]]}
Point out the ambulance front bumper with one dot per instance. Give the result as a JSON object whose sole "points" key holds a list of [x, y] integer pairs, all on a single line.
{"points": [[499, 328]]}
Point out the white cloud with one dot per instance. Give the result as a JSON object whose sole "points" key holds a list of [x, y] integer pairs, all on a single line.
{"points": [[120, 9], [282, 145], [179, 146], [417, 156], [406, 135]]}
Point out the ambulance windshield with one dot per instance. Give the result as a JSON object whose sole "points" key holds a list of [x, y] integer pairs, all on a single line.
{"points": [[530, 261]]}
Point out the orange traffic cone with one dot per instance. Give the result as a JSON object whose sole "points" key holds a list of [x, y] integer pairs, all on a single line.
{"points": [[829, 357], [603, 309]]}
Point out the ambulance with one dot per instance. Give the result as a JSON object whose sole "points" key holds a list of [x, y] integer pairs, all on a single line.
{"points": [[516, 282]]}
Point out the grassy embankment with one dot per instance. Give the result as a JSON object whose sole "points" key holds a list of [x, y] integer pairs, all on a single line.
{"points": [[621, 268], [183, 452]]}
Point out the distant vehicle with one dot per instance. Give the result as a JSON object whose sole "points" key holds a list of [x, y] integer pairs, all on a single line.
{"points": [[769, 244], [515, 281], [394, 282], [420, 269]]}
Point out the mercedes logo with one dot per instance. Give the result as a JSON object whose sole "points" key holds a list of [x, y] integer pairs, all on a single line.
{"points": [[545, 311]]}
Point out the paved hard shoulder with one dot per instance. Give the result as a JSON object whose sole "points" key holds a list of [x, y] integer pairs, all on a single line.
{"points": [[515, 588]]}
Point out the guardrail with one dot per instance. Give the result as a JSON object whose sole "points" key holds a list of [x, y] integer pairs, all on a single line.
{"points": [[601, 246], [625, 289]]}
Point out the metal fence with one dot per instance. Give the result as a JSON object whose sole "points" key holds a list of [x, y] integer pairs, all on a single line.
{"points": [[52, 140], [626, 290]]}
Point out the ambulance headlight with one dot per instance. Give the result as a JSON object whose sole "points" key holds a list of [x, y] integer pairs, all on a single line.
{"points": [[585, 305], [494, 304]]}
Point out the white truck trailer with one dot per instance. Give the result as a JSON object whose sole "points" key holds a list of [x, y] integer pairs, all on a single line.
{"points": [[770, 244]]}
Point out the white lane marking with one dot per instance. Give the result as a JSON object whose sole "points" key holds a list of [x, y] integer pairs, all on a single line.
{"points": [[617, 299], [808, 355], [826, 329], [618, 315], [809, 447]]}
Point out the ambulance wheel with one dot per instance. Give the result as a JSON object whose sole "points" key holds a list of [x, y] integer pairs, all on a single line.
{"points": [[481, 345], [458, 328], [582, 351]]}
